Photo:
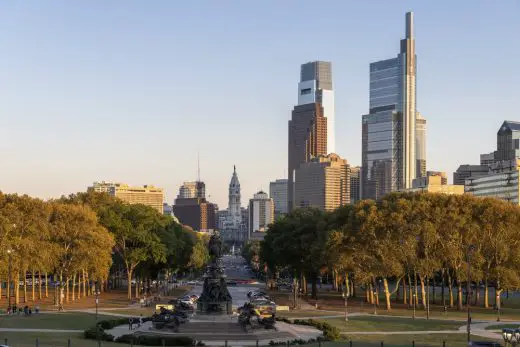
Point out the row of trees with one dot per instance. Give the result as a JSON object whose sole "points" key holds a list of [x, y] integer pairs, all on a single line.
{"points": [[404, 240], [79, 238]]}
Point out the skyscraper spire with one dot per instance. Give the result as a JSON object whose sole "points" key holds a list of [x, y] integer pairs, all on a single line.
{"points": [[198, 166], [409, 25]]}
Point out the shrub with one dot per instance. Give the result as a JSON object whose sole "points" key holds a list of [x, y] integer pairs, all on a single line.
{"points": [[330, 332], [98, 332], [111, 323], [151, 340]]}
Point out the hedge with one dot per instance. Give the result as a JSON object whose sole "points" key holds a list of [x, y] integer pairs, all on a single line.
{"points": [[150, 340], [330, 332], [98, 332]]}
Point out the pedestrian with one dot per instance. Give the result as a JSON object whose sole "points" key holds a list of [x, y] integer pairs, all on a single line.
{"points": [[140, 321], [37, 309], [8, 310], [130, 323]]}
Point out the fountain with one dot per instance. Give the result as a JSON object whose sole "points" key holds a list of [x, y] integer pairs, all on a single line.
{"points": [[215, 297]]}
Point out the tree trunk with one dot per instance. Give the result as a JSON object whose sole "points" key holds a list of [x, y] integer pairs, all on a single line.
{"points": [[450, 289], [73, 287], [25, 286], [486, 293], [347, 284], [67, 292], [459, 295], [398, 293], [433, 280], [84, 282], [39, 285], [33, 289], [353, 286], [17, 288], [416, 291], [1, 284], [314, 288], [387, 294], [367, 294], [405, 290], [477, 293], [443, 299], [137, 288], [129, 274], [423, 292], [410, 288]]}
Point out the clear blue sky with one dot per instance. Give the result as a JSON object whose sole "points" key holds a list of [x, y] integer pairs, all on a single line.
{"points": [[131, 90]]}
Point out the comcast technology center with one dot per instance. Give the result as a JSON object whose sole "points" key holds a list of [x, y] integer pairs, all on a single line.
{"points": [[390, 140]]}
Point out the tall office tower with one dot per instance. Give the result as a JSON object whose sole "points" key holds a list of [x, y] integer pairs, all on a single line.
{"points": [[315, 87], [389, 138], [195, 189], [508, 141], [323, 182], [197, 213], [420, 145], [278, 192], [146, 195], [261, 212], [311, 128], [355, 184]]}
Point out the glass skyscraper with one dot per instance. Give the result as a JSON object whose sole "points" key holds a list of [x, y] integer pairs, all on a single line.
{"points": [[393, 148]]}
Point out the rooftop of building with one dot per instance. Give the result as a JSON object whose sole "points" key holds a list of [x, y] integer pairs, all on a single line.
{"points": [[510, 125]]}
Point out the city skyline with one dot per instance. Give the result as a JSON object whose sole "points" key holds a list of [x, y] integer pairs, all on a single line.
{"points": [[111, 103]]}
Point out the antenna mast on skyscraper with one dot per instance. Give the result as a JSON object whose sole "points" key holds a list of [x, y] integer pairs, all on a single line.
{"points": [[198, 166]]}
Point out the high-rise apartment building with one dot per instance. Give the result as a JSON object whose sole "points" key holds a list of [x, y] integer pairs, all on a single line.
{"points": [[278, 192], [323, 182], [311, 128], [196, 189], [146, 195], [355, 184], [508, 141], [261, 212], [393, 133]]}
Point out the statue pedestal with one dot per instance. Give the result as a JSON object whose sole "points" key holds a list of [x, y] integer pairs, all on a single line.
{"points": [[215, 307]]}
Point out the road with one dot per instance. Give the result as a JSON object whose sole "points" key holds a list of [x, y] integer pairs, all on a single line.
{"points": [[234, 269]]}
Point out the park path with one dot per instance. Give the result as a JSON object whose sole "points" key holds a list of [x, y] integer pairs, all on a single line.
{"points": [[22, 330]]}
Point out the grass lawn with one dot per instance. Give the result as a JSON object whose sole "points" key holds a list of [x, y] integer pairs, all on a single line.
{"points": [[145, 311], [304, 313], [62, 320], [50, 339], [369, 323], [503, 326], [433, 340]]}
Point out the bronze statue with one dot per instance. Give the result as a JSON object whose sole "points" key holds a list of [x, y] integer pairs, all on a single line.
{"points": [[215, 297]]}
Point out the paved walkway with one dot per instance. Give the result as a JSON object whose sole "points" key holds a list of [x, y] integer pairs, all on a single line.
{"points": [[21, 330]]}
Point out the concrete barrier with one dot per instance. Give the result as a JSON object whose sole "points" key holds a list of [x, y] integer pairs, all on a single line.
{"points": [[282, 308]]}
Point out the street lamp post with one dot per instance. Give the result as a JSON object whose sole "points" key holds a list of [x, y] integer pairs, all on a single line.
{"points": [[468, 290], [345, 296], [9, 251]]}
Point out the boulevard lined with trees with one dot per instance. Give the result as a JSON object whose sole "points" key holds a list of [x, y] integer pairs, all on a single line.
{"points": [[86, 239], [404, 243]]}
